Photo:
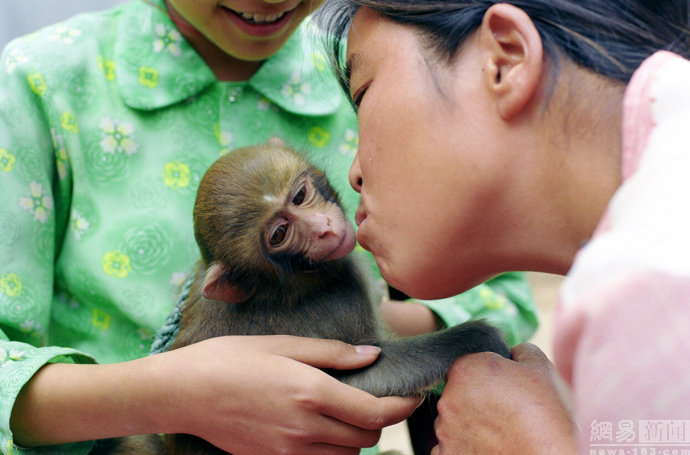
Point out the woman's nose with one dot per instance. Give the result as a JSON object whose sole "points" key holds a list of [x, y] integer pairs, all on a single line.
{"points": [[355, 175]]}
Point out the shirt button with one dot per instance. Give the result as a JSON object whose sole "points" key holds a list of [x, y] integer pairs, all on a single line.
{"points": [[234, 94]]}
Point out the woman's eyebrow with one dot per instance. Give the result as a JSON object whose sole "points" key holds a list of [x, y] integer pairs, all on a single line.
{"points": [[353, 61]]}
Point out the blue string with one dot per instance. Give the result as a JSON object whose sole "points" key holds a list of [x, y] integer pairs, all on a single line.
{"points": [[165, 336]]}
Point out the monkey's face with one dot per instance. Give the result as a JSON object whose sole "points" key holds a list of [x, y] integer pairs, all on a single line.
{"points": [[307, 224], [248, 30], [262, 210]]}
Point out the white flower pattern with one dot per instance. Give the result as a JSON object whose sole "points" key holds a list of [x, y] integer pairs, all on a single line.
{"points": [[37, 202], [296, 89], [66, 35], [117, 137], [167, 39], [79, 224], [350, 144], [14, 59], [11, 355]]}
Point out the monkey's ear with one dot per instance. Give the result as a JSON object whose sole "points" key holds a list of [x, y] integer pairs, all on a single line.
{"points": [[215, 288], [275, 140]]}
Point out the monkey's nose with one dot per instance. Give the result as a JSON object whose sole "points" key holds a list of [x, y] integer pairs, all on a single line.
{"points": [[320, 225]]}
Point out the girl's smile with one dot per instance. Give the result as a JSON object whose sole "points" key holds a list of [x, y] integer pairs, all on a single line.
{"points": [[258, 24], [236, 36], [258, 18]]}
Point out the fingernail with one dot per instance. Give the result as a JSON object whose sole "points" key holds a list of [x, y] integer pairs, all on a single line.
{"points": [[367, 350]]}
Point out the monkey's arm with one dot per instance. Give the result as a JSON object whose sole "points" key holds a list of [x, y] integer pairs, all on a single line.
{"points": [[408, 366]]}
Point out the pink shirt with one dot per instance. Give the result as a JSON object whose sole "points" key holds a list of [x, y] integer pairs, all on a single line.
{"points": [[623, 321]]}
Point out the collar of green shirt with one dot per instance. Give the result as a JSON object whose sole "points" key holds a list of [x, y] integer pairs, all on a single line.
{"points": [[156, 67]]}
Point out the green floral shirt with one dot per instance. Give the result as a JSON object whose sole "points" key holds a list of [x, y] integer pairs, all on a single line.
{"points": [[107, 123]]}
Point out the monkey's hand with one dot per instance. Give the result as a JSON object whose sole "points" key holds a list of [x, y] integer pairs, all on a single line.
{"points": [[266, 394], [495, 405]]}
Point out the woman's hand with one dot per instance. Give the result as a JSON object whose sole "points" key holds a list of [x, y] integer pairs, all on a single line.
{"points": [[494, 405]]}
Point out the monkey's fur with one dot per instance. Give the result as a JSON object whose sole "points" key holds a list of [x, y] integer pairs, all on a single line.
{"points": [[284, 293]]}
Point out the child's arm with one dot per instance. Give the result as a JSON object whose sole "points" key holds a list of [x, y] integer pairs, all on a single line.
{"points": [[505, 301], [409, 318], [243, 394], [33, 218]]}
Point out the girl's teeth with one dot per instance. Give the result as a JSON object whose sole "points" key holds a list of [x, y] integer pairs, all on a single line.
{"points": [[262, 18]]}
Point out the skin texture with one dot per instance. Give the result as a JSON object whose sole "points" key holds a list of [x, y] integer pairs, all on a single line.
{"points": [[317, 414], [534, 399], [232, 51], [268, 411], [275, 247], [523, 166], [233, 54], [481, 143], [409, 318]]}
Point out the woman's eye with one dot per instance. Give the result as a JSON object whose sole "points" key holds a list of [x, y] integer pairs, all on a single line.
{"points": [[357, 97], [299, 197], [278, 235]]}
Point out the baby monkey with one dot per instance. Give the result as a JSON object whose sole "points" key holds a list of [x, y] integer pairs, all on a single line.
{"points": [[275, 259]]}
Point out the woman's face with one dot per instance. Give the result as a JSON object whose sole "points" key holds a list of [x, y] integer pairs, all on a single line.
{"points": [[249, 30], [434, 179]]}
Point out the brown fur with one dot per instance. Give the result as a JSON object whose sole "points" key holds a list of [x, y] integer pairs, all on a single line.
{"points": [[285, 292]]}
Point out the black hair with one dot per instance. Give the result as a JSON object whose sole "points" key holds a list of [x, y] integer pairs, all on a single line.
{"points": [[610, 37]]}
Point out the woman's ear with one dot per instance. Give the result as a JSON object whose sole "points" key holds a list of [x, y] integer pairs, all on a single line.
{"points": [[513, 63]]}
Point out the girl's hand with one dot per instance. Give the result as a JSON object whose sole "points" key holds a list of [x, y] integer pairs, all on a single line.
{"points": [[494, 405], [251, 395], [247, 395]]}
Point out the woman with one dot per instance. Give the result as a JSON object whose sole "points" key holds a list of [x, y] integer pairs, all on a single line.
{"points": [[534, 135]]}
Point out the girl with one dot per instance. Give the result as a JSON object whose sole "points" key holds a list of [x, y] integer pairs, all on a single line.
{"points": [[107, 123], [538, 135]]}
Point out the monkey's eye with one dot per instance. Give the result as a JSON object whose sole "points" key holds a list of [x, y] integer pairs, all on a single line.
{"points": [[278, 235], [300, 196]]}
